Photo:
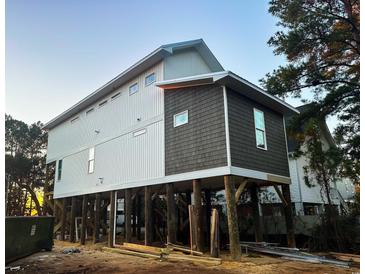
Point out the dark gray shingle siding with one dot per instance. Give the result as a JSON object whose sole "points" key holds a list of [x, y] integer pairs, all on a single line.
{"points": [[200, 144], [243, 140]]}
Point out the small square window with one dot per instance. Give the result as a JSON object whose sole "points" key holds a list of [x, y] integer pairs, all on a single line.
{"points": [[181, 118], [133, 89], [150, 79]]}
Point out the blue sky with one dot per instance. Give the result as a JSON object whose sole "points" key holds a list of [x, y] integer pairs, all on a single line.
{"points": [[57, 52]]}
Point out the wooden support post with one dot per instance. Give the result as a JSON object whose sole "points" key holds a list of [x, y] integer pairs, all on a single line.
{"points": [[208, 213], [214, 234], [239, 191], [134, 216], [72, 219], [192, 228], [288, 216], [96, 232], [83, 219], [233, 230], [256, 214], [111, 219], [197, 194], [147, 215], [63, 218], [128, 215], [138, 216], [171, 214]]}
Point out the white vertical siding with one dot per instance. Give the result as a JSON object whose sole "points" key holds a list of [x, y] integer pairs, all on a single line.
{"points": [[120, 158]]}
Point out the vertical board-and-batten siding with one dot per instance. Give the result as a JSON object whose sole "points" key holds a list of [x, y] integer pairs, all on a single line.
{"points": [[199, 144], [244, 152], [120, 157]]}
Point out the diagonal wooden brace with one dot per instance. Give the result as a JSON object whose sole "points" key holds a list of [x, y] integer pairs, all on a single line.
{"points": [[239, 190], [281, 196]]}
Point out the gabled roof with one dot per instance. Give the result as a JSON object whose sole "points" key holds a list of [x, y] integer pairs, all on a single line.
{"points": [[235, 82], [133, 71]]}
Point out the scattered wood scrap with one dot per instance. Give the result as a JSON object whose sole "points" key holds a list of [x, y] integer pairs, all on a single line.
{"points": [[183, 249], [163, 253]]}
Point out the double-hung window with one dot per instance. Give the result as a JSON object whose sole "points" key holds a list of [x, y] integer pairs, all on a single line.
{"points": [[260, 129], [91, 161]]}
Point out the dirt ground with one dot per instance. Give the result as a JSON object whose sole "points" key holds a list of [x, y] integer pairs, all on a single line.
{"points": [[92, 260]]}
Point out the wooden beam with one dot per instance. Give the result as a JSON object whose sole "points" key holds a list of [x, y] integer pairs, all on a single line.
{"points": [[239, 191], [148, 215], [290, 231], [208, 213], [233, 230], [63, 218], [128, 214], [256, 214], [197, 194], [280, 194], [111, 219], [83, 219], [96, 231], [72, 219], [214, 234], [171, 214]]}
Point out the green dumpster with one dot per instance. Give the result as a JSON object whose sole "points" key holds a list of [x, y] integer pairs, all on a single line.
{"points": [[27, 235]]}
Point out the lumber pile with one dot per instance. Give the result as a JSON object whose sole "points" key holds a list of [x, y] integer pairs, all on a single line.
{"points": [[172, 252]]}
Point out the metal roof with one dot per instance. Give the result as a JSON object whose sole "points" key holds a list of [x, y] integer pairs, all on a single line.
{"points": [[235, 82], [133, 71]]}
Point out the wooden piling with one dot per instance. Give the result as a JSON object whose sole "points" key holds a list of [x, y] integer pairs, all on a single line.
{"points": [[256, 213], [111, 219], [96, 231], [171, 214], [197, 195], [63, 218], [233, 230], [138, 216], [72, 219], [208, 213], [128, 215], [83, 219], [148, 215], [288, 211]]}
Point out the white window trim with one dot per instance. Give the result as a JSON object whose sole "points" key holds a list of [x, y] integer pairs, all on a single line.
{"points": [[145, 84], [254, 121], [182, 112], [129, 89]]}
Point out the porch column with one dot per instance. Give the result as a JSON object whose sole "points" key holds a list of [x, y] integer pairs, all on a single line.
{"points": [[233, 230]]}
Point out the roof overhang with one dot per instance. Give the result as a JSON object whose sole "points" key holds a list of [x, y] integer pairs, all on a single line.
{"points": [[132, 72], [235, 82]]}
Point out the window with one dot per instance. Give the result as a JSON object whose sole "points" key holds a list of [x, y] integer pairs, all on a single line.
{"points": [[133, 89], [74, 119], [150, 79], [139, 132], [103, 103], [260, 129], [181, 118], [89, 111], [115, 96], [91, 161], [59, 170]]}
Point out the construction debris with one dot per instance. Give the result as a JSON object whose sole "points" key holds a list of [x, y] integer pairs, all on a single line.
{"points": [[183, 249], [291, 254], [163, 253], [71, 250]]}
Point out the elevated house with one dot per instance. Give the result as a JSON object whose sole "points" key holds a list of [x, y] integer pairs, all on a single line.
{"points": [[175, 122]]}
